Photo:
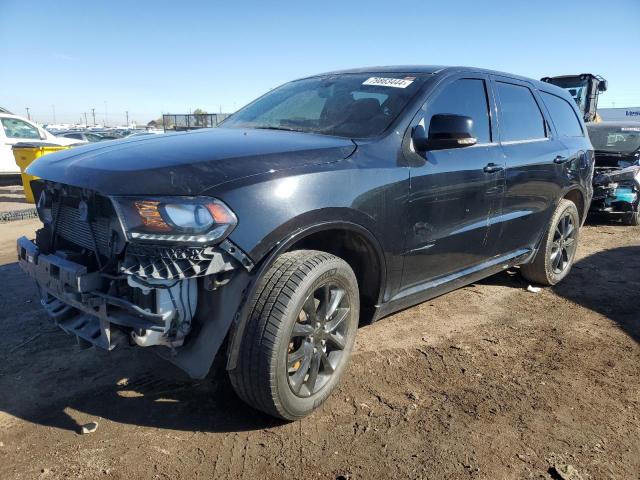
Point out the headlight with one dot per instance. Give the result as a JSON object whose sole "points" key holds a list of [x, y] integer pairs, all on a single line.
{"points": [[175, 219]]}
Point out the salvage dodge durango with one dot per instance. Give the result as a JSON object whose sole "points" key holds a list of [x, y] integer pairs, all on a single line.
{"points": [[331, 201]]}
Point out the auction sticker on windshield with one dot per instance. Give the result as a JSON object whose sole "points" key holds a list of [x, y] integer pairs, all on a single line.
{"points": [[389, 82]]}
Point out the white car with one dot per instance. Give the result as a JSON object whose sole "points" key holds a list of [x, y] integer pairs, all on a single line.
{"points": [[15, 129]]}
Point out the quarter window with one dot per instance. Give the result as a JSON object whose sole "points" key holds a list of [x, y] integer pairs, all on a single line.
{"points": [[563, 115], [520, 115], [15, 128], [464, 97]]}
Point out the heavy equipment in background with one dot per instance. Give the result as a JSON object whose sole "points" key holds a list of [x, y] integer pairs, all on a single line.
{"points": [[584, 89]]}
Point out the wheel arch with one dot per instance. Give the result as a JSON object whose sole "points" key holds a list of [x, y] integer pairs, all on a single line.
{"points": [[341, 238], [577, 196]]}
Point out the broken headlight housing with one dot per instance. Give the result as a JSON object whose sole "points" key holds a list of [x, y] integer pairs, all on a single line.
{"points": [[190, 220]]}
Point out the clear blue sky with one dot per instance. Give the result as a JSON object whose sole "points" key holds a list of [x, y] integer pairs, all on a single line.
{"points": [[149, 57]]}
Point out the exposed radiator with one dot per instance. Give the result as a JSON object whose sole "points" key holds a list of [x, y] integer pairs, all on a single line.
{"points": [[71, 228]]}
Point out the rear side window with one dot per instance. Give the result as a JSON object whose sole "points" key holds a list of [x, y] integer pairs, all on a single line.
{"points": [[563, 115], [520, 115], [467, 97]]}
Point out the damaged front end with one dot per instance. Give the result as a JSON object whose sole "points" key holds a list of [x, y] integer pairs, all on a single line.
{"points": [[114, 269], [616, 185]]}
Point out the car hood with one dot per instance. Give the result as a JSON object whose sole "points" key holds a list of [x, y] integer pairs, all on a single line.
{"points": [[186, 163]]}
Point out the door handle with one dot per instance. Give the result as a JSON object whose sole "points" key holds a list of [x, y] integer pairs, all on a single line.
{"points": [[493, 167], [560, 159]]}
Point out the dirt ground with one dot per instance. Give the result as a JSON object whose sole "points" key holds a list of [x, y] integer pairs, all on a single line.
{"points": [[490, 381]]}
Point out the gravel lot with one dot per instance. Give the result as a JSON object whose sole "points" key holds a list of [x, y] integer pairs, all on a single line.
{"points": [[490, 381]]}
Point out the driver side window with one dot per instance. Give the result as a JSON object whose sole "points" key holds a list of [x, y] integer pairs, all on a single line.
{"points": [[467, 96], [15, 128]]}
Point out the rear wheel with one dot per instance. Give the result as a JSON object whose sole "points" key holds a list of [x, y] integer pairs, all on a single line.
{"points": [[557, 251], [632, 218], [299, 336]]}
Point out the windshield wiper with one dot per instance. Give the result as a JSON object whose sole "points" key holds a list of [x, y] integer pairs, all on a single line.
{"points": [[286, 129]]}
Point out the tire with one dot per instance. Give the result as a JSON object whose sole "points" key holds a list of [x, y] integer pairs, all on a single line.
{"points": [[546, 267], [632, 218], [277, 345]]}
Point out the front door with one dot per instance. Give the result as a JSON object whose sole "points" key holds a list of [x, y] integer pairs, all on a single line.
{"points": [[455, 194]]}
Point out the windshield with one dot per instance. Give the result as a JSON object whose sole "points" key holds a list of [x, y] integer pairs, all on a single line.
{"points": [[347, 105], [615, 139]]}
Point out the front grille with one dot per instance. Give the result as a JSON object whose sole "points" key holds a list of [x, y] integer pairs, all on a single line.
{"points": [[70, 227], [170, 263]]}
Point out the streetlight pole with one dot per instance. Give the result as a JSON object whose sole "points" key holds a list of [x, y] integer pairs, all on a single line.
{"points": [[28, 114], [85, 119], [93, 112]]}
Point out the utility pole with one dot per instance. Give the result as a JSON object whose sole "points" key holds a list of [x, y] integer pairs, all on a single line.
{"points": [[93, 112], [127, 113], [28, 114], [85, 119]]}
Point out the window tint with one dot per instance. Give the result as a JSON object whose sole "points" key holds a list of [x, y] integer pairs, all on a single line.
{"points": [[300, 106], [563, 116], [15, 128], [520, 115], [348, 105], [464, 97]]}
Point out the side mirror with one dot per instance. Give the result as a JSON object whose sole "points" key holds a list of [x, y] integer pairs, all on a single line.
{"points": [[602, 86], [445, 131]]}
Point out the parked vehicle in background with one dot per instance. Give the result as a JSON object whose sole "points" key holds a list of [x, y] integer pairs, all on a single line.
{"points": [[15, 129], [143, 133], [331, 200], [90, 137], [616, 183]]}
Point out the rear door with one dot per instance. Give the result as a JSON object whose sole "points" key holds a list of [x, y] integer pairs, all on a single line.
{"points": [[533, 155], [571, 133], [455, 193]]}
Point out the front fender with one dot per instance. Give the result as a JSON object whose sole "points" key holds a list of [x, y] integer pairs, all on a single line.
{"points": [[272, 207], [242, 316]]}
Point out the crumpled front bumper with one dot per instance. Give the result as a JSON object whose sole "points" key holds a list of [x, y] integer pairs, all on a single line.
{"points": [[69, 294], [616, 191]]}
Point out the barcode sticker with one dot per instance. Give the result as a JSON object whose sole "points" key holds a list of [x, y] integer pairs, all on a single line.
{"points": [[389, 82]]}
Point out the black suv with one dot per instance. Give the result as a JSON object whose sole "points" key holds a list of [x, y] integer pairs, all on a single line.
{"points": [[331, 200]]}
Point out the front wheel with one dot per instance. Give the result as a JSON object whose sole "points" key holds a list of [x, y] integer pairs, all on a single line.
{"points": [[557, 251], [299, 336]]}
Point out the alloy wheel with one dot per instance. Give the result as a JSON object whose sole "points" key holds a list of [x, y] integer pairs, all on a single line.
{"points": [[318, 339], [564, 244]]}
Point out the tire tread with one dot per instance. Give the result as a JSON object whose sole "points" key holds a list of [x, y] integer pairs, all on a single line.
{"points": [[251, 379]]}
